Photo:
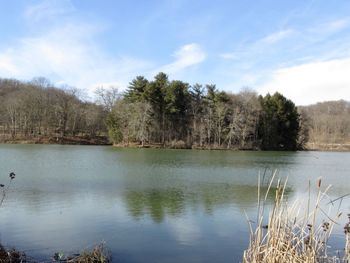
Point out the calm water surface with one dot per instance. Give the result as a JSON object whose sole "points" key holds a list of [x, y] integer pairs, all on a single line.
{"points": [[149, 205]]}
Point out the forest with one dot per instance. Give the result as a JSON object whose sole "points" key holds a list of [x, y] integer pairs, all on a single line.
{"points": [[38, 109], [168, 113]]}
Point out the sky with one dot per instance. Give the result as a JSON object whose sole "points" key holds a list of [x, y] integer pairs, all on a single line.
{"points": [[297, 47]]}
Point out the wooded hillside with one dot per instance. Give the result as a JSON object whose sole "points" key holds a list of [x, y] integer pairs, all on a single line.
{"points": [[37, 108], [328, 124], [170, 113]]}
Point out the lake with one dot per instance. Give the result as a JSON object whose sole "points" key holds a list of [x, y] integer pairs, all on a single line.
{"points": [[148, 205]]}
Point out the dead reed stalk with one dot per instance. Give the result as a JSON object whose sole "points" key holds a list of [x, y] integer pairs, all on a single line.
{"points": [[293, 236]]}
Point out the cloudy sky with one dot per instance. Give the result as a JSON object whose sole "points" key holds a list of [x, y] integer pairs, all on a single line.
{"points": [[298, 47]]}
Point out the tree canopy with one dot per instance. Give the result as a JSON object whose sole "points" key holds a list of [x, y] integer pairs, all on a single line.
{"points": [[279, 123], [164, 112], [176, 114]]}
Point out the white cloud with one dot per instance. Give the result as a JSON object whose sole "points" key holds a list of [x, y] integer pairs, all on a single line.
{"points": [[336, 25], [235, 55], [67, 55], [312, 82], [7, 64], [67, 51], [277, 36], [187, 56]]}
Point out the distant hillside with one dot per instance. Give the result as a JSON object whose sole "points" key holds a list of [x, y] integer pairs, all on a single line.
{"points": [[38, 112], [328, 123]]}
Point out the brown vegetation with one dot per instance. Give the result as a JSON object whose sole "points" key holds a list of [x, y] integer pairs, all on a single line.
{"points": [[294, 236], [37, 109], [98, 254], [328, 124], [71, 140]]}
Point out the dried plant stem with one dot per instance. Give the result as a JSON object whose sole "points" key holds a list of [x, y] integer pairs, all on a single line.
{"points": [[289, 237]]}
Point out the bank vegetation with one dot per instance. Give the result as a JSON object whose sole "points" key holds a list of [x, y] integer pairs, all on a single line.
{"points": [[299, 231]]}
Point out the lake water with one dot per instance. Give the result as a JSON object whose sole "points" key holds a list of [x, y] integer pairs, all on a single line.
{"points": [[148, 205]]}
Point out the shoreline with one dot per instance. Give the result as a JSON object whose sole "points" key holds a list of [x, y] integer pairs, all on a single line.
{"points": [[66, 140], [335, 148], [328, 147], [103, 141]]}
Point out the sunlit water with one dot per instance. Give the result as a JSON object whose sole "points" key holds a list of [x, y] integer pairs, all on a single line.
{"points": [[148, 205]]}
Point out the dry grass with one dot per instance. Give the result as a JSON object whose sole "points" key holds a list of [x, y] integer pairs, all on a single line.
{"points": [[98, 254], [11, 256], [295, 232]]}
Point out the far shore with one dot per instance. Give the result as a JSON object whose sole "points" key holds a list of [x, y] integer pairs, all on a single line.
{"points": [[103, 140], [64, 140]]}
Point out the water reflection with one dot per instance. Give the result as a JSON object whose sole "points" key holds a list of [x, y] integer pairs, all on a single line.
{"points": [[173, 202]]}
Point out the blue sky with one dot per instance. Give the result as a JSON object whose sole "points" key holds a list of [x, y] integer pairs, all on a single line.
{"points": [[300, 48]]}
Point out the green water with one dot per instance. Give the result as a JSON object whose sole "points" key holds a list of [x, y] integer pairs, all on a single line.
{"points": [[148, 205]]}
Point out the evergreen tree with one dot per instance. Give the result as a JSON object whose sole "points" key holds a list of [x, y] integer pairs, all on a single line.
{"points": [[279, 123], [136, 89], [155, 95], [177, 107]]}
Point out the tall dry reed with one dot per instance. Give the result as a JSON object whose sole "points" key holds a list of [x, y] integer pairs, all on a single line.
{"points": [[294, 231]]}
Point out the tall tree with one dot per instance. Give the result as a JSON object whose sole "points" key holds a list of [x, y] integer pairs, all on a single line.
{"points": [[155, 95], [136, 89], [279, 125], [177, 108], [197, 111]]}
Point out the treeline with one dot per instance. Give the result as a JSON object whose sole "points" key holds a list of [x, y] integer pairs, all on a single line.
{"points": [[328, 122], [176, 114], [37, 108], [170, 113]]}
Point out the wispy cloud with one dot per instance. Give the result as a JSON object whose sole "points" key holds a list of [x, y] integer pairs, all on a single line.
{"points": [[245, 50], [235, 55], [186, 56], [277, 36], [336, 25], [311, 82], [49, 9]]}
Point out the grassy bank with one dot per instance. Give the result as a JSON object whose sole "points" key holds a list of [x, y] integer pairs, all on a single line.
{"points": [[103, 140], [308, 147], [335, 147], [69, 140], [98, 254]]}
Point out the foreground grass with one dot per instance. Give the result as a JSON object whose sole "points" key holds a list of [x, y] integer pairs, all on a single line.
{"points": [[99, 254], [292, 235]]}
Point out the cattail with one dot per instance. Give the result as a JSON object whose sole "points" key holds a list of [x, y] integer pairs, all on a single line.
{"points": [[319, 181], [307, 240], [325, 226], [12, 175], [347, 228]]}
